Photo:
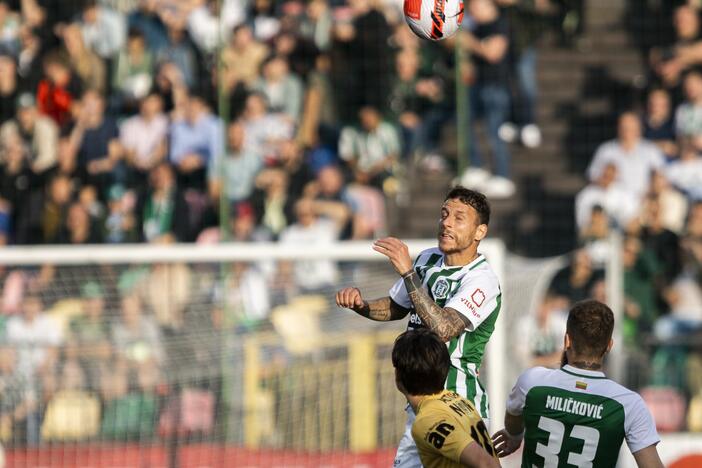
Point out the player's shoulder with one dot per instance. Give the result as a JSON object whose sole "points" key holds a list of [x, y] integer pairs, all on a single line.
{"points": [[628, 398], [481, 272], [430, 414], [428, 257], [536, 376]]}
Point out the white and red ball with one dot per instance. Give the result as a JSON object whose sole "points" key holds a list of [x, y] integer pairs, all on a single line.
{"points": [[434, 19]]}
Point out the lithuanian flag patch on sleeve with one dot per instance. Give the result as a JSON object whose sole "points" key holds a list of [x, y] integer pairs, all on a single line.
{"points": [[580, 385]]}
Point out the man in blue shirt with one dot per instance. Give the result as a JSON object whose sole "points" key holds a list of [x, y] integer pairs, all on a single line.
{"points": [[196, 139]]}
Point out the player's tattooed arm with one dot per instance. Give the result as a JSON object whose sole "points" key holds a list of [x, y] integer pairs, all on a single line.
{"points": [[383, 310], [444, 321]]}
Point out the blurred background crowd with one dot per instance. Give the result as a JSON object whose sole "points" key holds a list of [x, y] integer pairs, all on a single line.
{"points": [[163, 121], [141, 121]]}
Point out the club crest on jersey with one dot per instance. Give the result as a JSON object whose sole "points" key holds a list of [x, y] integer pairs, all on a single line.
{"points": [[440, 289]]}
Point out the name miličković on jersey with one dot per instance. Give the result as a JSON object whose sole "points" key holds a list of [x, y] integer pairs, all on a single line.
{"points": [[578, 417]]}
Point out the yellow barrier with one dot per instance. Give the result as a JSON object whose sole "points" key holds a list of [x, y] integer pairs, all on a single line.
{"points": [[341, 396]]}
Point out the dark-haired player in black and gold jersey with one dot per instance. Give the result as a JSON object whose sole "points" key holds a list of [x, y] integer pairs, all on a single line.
{"points": [[448, 429]]}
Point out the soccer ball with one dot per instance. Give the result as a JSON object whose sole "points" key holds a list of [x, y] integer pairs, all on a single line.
{"points": [[434, 19]]}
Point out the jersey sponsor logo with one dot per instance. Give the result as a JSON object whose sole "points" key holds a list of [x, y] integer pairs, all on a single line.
{"points": [[580, 385], [478, 297], [470, 306], [440, 289], [572, 406], [415, 320], [437, 437]]}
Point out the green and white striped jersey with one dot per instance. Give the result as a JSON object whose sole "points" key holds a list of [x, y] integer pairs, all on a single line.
{"points": [[474, 291], [575, 417]]}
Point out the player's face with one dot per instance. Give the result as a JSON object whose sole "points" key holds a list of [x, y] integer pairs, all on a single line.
{"points": [[458, 226]]}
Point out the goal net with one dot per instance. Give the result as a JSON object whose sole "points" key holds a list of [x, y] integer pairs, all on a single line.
{"points": [[227, 355]]}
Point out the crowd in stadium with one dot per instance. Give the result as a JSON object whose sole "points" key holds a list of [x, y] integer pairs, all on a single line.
{"points": [[128, 121], [646, 184]]}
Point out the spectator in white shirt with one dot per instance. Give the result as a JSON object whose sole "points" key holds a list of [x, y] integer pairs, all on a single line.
{"points": [[686, 173], [673, 203], [282, 88], [370, 149], [619, 204], [688, 116], [104, 30], [235, 171], [310, 275], [264, 131], [634, 157], [207, 26], [143, 137], [543, 331], [36, 337]]}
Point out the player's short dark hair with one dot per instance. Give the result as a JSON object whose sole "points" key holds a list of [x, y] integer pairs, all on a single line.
{"points": [[421, 361], [590, 325], [472, 198]]}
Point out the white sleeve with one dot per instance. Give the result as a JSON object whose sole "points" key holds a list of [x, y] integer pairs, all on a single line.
{"points": [[639, 427], [517, 397], [599, 161], [583, 207], [399, 295], [478, 296], [347, 144], [657, 157]]}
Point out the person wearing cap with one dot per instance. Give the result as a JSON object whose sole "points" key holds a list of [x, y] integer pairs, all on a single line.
{"points": [[38, 133]]}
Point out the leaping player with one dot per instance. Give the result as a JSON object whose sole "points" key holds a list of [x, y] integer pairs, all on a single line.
{"points": [[451, 290]]}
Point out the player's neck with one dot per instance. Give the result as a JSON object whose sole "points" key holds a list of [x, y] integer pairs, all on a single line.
{"points": [[461, 258], [415, 400], [585, 363]]}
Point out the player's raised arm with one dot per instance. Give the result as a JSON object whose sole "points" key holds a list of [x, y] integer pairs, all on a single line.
{"points": [[380, 310], [444, 321]]}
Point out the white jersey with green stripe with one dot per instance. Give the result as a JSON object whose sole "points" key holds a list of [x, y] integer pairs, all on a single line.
{"points": [[575, 417], [474, 291]]}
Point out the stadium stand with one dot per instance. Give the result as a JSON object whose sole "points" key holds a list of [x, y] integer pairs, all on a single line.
{"points": [[166, 121]]}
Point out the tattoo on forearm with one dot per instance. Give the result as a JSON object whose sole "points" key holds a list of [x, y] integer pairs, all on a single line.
{"points": [[382, 310], [447, 323]]}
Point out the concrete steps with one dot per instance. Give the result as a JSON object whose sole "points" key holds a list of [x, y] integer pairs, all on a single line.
{"points": [[581, 91]]}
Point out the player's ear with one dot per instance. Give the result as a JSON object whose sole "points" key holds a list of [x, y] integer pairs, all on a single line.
{"points": [[609, 345], [566, 341], [481, 232]]}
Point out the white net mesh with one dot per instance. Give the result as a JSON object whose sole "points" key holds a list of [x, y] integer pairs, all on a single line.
{"points": [[207, 363]]}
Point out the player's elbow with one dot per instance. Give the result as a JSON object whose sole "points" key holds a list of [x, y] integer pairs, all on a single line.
{"points": [[475, 456]]}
